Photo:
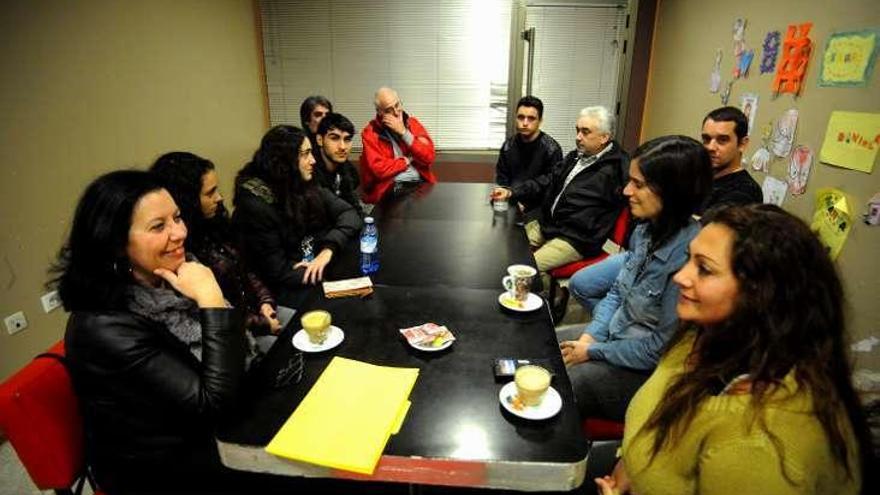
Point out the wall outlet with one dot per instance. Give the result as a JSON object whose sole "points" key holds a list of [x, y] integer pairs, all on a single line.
{"points": [[15, 323], [50, 301]]}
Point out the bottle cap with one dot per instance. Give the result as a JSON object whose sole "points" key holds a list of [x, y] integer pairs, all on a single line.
{"points": [[368, 220]]}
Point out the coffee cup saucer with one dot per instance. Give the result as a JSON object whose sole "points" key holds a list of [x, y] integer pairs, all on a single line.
{"points": [[431, 348], [532, 302], [335, 336], [550, 405]]}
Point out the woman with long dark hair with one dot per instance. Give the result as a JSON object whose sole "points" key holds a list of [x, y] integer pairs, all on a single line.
{"points": [[669, 177], [289, 227], [155, 354], [192, 182], [753, 394]]}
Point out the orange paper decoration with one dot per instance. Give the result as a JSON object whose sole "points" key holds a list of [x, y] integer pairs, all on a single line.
{"points": [[796, 50]]}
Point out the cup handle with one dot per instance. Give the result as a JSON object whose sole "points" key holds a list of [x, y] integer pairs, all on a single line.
{"points": [[507, 282]]}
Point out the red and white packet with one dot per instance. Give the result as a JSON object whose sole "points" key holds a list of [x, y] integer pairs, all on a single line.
{"points": [[427, 334]]}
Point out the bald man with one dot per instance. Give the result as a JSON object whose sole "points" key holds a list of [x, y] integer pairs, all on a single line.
{"points": [[398, 152]]}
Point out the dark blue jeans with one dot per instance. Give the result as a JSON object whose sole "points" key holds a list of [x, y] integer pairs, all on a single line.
{"points": [[589, 285], [602, 390]]}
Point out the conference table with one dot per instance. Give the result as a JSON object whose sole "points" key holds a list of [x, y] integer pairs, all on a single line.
{"points": [[443, 252]]}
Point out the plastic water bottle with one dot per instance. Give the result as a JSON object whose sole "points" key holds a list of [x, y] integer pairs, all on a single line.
{"points": [[307, 249], [369, 247]]}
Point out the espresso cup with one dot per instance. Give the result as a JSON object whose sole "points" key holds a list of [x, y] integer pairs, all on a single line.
{"points": [[518, 282], [316, 324], [532, 383]]}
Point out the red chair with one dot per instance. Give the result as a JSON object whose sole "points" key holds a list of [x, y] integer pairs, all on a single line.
{"points": [[618, 236], [39, 413]]}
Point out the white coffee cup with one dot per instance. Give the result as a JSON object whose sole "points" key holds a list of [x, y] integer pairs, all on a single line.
{"points": [[518, 282]]}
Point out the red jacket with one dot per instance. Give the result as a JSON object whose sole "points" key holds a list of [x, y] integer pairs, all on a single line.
{"points": [[378, 164]]}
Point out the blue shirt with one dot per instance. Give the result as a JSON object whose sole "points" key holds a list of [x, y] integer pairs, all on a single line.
{"points": [[633, 322]]}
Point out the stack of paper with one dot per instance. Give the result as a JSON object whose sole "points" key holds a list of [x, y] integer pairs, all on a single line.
{"points": [[361, 286], [347, 417]]}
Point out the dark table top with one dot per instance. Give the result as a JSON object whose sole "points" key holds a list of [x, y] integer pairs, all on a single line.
{"points": [[453, 278], [445, 234]]}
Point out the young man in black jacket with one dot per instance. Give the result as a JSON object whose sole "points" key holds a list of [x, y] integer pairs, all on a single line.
{"points": [[333, 170], [580, 198], [528, 153]]}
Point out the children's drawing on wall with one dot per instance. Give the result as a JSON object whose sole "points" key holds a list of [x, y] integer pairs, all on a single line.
{"points": [[742, 56], [799, 169], [748, 103], [851, 140], [725, 93], [849, 58], [783, 133], [774, 190], [715, 76], [832, 220], [796, 49], [872, 216], [770, 52], [760, 160]]}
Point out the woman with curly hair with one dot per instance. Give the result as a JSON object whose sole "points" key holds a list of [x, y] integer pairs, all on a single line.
{"points": [[753, 394], [192, 182], [289, 227]]}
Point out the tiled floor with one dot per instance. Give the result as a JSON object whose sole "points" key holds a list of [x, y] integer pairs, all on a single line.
{"points": [[14, 479]]}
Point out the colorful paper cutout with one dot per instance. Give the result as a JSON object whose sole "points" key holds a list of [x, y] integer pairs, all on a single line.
{"points": [[745, 61], [742, 56], [832, 221], [852, 140], [771, 51], [715, 76], [872, 216], [774, 190], [748, 103], [760, 160], [799, 169], [783, 133], [796, 49], [849, 58], [725, 93]]}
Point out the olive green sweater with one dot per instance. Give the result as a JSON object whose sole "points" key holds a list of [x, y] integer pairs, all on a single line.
{"points": [[724, 452]]}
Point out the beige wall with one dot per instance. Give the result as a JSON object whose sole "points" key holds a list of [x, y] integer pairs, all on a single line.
{"points": [[687, 34], [89, 86]]}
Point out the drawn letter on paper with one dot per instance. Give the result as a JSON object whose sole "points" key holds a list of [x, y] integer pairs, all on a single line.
{"points": [[851, 140]]}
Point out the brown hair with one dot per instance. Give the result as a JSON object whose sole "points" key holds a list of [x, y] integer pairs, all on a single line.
{"points": [[788, 315]]}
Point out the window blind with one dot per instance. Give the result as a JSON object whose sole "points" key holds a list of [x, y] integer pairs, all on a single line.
{"points": [[447, 60]]}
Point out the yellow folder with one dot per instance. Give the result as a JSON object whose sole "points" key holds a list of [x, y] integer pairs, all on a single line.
{"points": [[347, 417]]}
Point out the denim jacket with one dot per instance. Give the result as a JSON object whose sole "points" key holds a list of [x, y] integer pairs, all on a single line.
{"points": [[637, 317]]}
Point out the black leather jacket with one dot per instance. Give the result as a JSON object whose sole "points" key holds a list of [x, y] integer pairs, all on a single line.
{"points": [[588, 208], [512, 171], [272, 246], [146, 399]]}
